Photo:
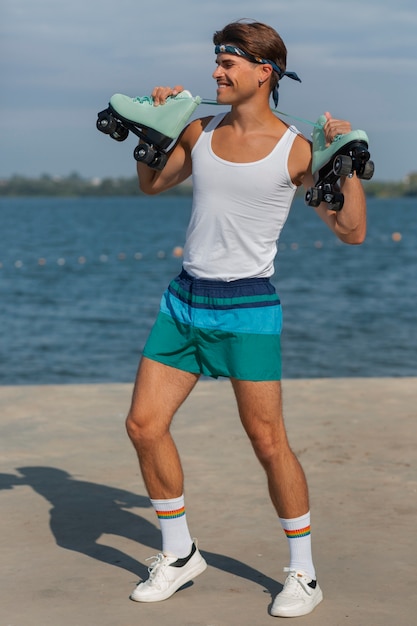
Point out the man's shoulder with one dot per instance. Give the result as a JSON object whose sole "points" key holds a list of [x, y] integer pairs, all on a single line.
{"points": [[299, 163], [194, 129]]}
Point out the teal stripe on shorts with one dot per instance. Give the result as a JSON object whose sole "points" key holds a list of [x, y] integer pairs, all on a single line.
{"points": [[218, 328]]}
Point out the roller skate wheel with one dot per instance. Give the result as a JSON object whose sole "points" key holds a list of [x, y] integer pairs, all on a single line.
{"points": [[342, 165], [338, 201], [313, 197], [120, 134], [368, 170], [107, 124], [144, 153]]}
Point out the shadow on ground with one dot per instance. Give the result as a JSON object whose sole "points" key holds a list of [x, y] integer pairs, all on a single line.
{"points": [[81, 512]]}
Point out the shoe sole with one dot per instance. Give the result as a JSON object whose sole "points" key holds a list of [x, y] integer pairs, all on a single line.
{"points": [[323, 155], [198, 569]]}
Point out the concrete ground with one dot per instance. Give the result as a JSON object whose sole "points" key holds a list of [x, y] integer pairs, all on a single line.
{"points": [[76, 526]]}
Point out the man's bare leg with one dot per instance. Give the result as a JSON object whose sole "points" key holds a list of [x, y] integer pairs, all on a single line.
{"points": [[158, 393], [260, 409]]}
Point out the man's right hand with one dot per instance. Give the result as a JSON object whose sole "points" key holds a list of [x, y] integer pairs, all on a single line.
{"points": [[160, 94]]}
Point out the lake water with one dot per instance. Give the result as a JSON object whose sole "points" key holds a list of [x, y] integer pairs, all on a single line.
{"points": [[81, 279]]}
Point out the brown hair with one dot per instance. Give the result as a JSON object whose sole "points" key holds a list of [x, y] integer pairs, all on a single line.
{"points": [[257, 39]]}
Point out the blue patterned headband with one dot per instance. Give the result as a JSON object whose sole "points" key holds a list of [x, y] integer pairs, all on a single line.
{"points": [[230, 49]]}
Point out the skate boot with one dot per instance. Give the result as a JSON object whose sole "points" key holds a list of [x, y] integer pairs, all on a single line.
{"points": [[157, 126], [344, 156]]}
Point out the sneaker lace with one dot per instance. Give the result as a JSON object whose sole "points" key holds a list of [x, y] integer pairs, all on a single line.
{"points": [[295, 584], [154, 567]]}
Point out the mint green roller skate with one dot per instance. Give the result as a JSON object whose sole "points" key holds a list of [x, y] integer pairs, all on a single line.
{"points": [[156, 126], [346, 154]]}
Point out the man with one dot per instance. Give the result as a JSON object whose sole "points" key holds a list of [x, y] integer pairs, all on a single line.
{"points": [[221, 315]]}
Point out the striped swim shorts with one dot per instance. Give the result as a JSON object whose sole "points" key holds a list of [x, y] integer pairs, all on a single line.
{"points": [[217, 328]]}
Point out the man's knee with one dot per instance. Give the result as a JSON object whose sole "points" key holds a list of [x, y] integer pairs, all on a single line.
{"points": [[131, 427], [145, 427], [140, 427], [270, 447], [265, 449]]}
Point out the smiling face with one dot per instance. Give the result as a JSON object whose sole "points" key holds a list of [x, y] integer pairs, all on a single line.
{"points": [[255, 41], [237, 78]]}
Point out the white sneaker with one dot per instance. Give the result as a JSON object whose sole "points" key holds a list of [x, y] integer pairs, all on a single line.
{"points": [[167, 573], [299, 596]]}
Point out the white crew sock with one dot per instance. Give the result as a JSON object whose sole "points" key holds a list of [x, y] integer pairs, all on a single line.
{"points": [[176, 538], [299, 541]]}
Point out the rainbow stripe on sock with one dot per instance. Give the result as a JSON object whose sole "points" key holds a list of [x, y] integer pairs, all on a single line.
{"points": [[296, 534], [171, 514]]}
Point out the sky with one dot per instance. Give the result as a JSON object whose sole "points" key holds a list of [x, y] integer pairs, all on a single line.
{"points": [[60, 62]]}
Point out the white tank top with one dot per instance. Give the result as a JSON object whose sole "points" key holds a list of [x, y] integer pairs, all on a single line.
{"points": [[238, 211]]}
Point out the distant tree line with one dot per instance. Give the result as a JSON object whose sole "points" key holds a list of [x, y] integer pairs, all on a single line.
{"points": [[76, 185], [405, 187]]}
